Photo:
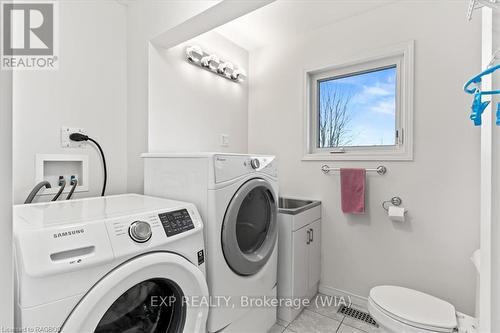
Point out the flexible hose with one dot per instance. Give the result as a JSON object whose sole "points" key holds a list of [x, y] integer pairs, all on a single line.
{"points": [[104, 165], [74, 182], [35, 190], [61, 189]]}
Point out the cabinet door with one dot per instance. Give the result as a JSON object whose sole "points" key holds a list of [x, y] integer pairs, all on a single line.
{"points": [[300, 269], [314, 255]]}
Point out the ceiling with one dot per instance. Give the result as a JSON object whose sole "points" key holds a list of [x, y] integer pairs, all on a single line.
{"points": [[283, 19]]}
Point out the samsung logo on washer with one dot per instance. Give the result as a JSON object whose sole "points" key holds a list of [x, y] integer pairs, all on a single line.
{"points": [[69, 233]]}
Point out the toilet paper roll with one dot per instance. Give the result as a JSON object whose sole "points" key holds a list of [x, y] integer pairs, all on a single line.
{"points": [[396, 214]]}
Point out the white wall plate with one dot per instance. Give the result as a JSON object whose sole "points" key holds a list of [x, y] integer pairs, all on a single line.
{"points": [[66, 142], [50, 166]]}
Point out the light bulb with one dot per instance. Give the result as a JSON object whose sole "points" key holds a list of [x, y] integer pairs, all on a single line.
{"points": [[204, 61], [221, 68], [238, 75], [211, 62], [226, 69], [194, 53]]}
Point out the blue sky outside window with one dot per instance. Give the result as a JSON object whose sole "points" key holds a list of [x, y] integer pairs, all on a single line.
{"points": [[358, 109]]}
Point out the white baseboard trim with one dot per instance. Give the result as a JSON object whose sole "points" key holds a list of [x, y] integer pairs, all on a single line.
{"points": [[355, 299]]}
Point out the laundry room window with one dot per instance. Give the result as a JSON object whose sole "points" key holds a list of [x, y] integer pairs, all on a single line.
{"points": [[361, 110]]}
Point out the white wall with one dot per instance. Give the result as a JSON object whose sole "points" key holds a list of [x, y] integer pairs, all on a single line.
{"points": [[88, 90], [101, 85], [145, 20], [189, 108], [431, 250], [6, 277], [495, 227]]}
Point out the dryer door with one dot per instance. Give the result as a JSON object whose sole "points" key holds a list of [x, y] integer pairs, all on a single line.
{"points": [[249, 230], [152, 293]]}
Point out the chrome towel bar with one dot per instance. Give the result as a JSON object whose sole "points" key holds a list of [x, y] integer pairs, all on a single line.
{"points": [[381, 170]]}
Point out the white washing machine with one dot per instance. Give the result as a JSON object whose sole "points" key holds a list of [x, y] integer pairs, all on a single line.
{"points": [[126, 263], [237, 196]]}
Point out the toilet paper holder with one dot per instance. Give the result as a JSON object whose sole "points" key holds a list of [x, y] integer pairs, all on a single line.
{"points": [[395, 201]]}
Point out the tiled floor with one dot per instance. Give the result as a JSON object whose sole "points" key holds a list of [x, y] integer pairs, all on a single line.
{"points": [[324, 319]]}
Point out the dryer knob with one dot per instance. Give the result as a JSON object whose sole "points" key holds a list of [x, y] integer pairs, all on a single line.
{"points": [[255, 163], [140, 231]]}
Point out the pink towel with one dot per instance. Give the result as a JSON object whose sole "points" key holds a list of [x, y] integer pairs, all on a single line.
{"points": [[352, 188]]}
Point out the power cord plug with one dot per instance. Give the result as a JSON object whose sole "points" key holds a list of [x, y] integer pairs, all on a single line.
{"points": [[82, 137], [78, 137]]}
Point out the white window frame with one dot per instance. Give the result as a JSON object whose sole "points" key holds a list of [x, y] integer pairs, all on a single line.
{"points": [[402, 56]]}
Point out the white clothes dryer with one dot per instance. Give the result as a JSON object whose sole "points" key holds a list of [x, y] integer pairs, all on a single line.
{"points": [[237, 196]]}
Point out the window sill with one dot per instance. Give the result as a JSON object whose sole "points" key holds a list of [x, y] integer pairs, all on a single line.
{"points": [[365, 156]]}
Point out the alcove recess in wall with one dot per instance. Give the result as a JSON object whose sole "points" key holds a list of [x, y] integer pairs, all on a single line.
{"points": [[50, 166]]}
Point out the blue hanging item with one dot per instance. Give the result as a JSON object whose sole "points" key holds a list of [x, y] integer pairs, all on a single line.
{"points": [[498, 115], [478, 106], [477, 109]]}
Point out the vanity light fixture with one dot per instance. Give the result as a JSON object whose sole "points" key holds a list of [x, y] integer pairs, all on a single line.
{"points": [[211, 62]]}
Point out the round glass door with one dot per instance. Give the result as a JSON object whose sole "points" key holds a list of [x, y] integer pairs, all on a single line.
{"points": [[147, 294], [249, 230], [151, 306]]}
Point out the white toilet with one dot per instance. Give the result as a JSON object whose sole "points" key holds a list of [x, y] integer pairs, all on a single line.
{"points": [[403, 310]]}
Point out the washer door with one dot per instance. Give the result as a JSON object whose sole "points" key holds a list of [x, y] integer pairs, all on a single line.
{"points": [[152, 293], [249, 230]]}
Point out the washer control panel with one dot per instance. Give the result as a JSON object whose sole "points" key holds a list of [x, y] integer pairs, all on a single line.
{"points": [[176, 222], [140, 231]]}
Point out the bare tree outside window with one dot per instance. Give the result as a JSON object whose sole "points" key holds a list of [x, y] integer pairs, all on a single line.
{"points": [[357, 110], [334, 118]]}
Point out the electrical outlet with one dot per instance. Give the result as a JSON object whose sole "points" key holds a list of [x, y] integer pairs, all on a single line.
{"points": [[66, 142], [224, 140]]}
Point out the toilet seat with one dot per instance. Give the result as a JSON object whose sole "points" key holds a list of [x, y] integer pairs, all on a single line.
{"points": [[414, 308]]}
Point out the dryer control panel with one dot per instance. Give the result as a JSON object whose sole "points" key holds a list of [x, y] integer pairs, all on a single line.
{"points": [[229, 167]]}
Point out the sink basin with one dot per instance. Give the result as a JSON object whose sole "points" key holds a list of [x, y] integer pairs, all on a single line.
{"points": [[295, 206]]}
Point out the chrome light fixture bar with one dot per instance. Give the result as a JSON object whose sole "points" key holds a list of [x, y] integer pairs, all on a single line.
{"points": [[211, 62]]}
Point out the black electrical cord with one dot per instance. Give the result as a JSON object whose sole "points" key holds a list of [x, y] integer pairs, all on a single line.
{"points": [[61, 189], [83, 137], [74, 182], [104, 166]]}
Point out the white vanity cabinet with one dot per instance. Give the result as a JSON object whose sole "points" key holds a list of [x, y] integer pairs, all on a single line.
{"points": [[299, 253]]}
